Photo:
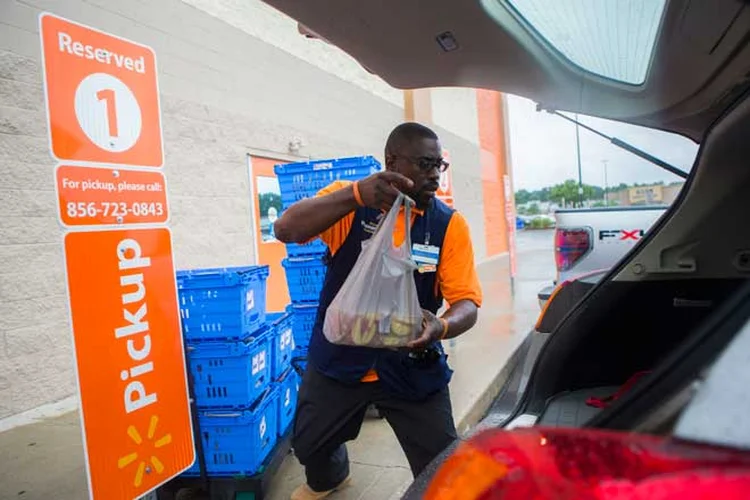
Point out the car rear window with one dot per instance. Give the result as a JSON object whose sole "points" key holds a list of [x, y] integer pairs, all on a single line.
{"points": [[611, 38]]}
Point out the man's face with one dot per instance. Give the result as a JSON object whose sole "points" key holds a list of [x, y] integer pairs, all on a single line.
{"points": [[419, 160]]}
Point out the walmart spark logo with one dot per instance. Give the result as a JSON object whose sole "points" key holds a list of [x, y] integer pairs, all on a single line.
{"points": [[147, 457]]}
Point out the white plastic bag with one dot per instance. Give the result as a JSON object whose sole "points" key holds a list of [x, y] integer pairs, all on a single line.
{"points": [[378, 306]]}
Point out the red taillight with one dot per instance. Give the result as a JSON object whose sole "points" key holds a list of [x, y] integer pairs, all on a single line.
{"points": [[570, 246], [574, 464]]}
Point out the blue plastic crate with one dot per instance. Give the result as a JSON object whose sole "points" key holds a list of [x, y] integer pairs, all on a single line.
{"points": [[303, 180], [348, 163], [288, 389], [231, 374], [303, 322], [299, 360], [222, 303], [282, 340], [237, 443], [305, 276], [315, 248], [292, 197]]}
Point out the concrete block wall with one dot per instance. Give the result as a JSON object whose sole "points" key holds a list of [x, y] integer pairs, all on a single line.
{"points": [[455, 109], [467, 186], [224, 92], [266, 23], [456, 118]]}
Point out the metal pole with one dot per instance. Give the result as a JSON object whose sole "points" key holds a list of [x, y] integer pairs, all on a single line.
{"points": [[606, 184], [580, 174]]}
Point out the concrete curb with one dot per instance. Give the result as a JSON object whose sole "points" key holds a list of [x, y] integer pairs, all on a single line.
{"points": [[477, 410], [40, 414], [482, 404], [400, 492]]}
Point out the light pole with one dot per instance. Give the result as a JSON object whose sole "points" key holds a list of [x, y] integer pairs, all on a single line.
{"points": [[580, 173], [606, 184]]}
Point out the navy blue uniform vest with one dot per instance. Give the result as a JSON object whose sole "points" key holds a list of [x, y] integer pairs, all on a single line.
{"points": [[403, 376]]}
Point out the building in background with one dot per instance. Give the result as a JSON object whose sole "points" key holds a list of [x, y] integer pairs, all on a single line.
{"points": [[656, 194], [241, 90]]}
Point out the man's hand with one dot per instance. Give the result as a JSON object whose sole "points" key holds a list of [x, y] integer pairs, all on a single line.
{"points": [[381, 190], [307, 218], [432, 330]]}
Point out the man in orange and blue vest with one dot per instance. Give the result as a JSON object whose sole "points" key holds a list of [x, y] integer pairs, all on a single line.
{"points": [[408, 386]]}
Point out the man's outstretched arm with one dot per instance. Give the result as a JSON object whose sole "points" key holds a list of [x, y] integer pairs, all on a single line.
{"points": [[309, 218]]}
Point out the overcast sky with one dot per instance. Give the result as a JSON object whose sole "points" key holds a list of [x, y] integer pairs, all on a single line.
{"points": [[543, 150]]}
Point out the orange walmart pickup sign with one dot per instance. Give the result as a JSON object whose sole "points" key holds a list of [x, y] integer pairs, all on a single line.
{"points": [[102, 96], [130, 359]]}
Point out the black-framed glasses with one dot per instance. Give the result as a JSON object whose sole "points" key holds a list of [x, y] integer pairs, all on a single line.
{"points": [[426, 163]]}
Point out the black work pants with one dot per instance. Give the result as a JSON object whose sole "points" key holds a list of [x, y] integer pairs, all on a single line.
{"points": [[330, 413]]}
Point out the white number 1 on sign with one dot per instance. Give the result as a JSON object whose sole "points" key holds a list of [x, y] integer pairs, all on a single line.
{"points": [[108, 112], [108, 96]]}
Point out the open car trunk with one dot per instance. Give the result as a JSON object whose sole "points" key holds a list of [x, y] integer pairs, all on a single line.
{"points": [[669, 285], [623, 329], [669, 308]]}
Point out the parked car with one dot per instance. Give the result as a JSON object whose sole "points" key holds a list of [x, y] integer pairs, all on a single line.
{"points": [[658, 345], [594, 239]]}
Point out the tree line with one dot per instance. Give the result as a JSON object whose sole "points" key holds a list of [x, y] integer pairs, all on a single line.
{"points": [[568, 192]]}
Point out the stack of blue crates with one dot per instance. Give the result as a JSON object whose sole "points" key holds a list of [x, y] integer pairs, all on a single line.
{"points": [[285, 379], [305, 267], [235, 351]]}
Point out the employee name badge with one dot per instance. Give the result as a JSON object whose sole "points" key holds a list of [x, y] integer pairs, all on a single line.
{"points": [[426, 257]]}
